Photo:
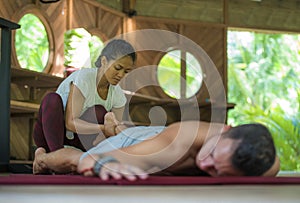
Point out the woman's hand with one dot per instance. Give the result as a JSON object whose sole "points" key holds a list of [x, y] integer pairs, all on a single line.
{"points": [[110, 124]]}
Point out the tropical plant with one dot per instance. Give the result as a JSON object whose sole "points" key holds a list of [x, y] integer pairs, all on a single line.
{"points": [[169, 74], [32, 52], [81, 49], [264, 82]]}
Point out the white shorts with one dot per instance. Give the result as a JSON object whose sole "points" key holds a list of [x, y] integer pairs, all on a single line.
{"points": [[127, 137]]}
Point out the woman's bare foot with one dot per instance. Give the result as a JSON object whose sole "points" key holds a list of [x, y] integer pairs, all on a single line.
{"points": [[38, 165], [110, 124]]}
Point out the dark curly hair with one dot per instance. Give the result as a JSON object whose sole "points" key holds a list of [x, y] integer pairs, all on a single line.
{"points": [[116, 49], [255, 152]]}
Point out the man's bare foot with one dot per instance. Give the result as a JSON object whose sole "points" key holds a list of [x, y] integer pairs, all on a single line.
{"points": [[38, 165], [110, 123]]}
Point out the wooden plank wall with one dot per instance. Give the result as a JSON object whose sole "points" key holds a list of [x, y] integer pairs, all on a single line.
{"points": [[101, 19]]}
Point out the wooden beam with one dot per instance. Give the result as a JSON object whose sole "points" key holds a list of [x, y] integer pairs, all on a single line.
{"points": [[69, 14], [5, 62], [106, 8]]}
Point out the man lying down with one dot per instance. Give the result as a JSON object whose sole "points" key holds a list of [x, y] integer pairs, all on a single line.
{"points": [[181, 148]]}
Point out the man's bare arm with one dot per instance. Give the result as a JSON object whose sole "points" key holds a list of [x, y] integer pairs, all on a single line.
{"points": [[157, 153]]}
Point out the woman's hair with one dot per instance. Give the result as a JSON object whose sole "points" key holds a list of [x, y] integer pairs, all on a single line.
{"points": [[116, 49], [255, 152]]}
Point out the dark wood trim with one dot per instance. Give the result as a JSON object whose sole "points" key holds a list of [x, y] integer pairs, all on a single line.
{"points": [[5, 63]]}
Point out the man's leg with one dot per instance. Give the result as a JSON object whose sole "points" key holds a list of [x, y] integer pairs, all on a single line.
{"points": [[61, 161]]}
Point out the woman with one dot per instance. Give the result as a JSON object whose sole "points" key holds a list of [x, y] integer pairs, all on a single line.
{"points": [[82, 100]]}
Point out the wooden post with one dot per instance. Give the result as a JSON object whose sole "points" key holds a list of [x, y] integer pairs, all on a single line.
{"points": [[5, 60]]}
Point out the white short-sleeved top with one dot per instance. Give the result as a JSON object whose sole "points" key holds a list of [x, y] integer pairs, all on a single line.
{"points": [[85, 81]]}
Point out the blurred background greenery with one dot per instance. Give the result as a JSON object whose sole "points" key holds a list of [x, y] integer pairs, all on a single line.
{"points": [[264, 83], [31, 43]]}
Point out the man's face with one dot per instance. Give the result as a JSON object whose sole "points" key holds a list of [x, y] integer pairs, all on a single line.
{"points": [[218, 161]]}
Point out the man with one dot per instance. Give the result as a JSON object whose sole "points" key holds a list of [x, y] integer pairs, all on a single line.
{"points": [[218, 150]]}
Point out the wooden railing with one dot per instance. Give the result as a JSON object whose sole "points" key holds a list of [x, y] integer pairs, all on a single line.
{"points": [[5, 64], [33, 80]]}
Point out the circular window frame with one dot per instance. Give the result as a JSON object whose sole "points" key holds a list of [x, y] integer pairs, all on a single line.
{"points": [[160, 56], [36, 11], [98, 33]]}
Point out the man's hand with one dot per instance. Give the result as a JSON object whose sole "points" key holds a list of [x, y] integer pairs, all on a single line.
{"points": [[118, 171], [111, 169]]}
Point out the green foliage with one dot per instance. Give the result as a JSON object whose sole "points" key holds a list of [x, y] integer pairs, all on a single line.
{"points": [[264, 82], [169, 74], [96, 46], [31, 43], [81, 49]]}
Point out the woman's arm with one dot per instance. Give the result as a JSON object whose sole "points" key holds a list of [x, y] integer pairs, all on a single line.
{"points": [[73, 110], [119, 127]]}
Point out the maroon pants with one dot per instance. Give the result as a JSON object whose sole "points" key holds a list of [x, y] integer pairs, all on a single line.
{"points": [[50, 130]]}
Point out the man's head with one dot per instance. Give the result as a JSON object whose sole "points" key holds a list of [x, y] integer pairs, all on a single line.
{"points": [[245, 150], [255, 152]]}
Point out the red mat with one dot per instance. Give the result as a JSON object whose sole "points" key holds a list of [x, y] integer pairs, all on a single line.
{"points": [[28, 179]]}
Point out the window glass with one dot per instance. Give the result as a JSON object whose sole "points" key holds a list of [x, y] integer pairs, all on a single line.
{"points": [[169, 73], [194, 75], [32, 44], [81, 48]]}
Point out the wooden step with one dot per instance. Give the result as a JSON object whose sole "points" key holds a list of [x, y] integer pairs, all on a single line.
{"points": [[23, 107]]}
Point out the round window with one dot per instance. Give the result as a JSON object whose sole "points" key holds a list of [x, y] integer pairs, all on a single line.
{"points": [[179, 74], [32, 44]]}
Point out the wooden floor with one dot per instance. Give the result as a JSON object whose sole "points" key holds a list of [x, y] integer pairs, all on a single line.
{"points": [[151, 194]]}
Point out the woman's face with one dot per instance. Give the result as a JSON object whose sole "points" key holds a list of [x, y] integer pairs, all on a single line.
{"points": [[118, 69]]}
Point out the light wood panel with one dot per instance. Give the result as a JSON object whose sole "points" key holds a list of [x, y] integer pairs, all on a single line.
{"points": [[19, 138]]}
